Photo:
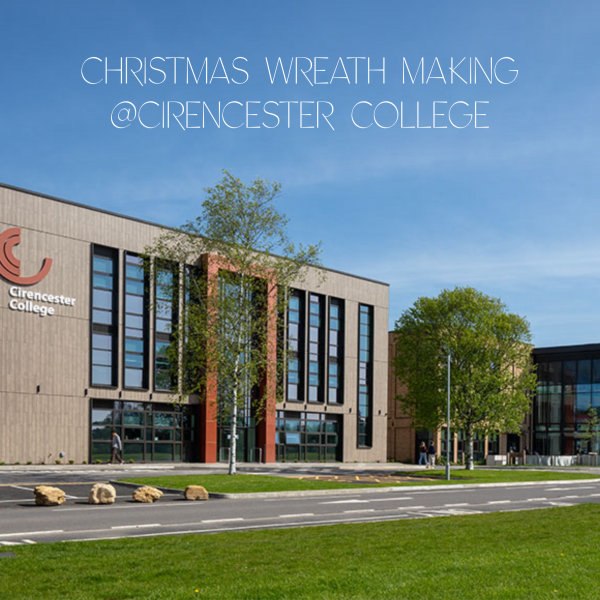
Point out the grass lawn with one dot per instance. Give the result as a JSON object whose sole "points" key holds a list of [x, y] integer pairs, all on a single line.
{"points": [[226, 484], [550, 553], [495, 476]]}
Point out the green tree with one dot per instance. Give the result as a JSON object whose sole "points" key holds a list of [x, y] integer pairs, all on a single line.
{"points": [[492, 375], [238, 266]]}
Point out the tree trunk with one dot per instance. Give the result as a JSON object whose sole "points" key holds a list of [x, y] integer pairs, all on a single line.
{"points": [[233, 433], [469, 451]]}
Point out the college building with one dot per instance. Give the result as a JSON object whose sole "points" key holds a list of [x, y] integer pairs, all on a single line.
{"points": [[83, 351], [403, 439], [568, 385]]}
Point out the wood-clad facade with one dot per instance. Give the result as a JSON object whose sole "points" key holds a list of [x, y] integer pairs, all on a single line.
{"points": [[50, 405]]}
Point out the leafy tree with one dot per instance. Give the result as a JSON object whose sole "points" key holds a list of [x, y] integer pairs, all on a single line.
{"points": [[239, 266], [492, 375]]}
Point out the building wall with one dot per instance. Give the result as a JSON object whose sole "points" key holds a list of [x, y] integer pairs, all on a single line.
{"points": [[356, 291], [403, 439], [401, 435], [45, 388]]}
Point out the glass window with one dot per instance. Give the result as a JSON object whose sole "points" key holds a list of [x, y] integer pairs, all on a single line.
{"points": [[134, 361], [102, 299], [102, 417], [103, 281], [295, 340], [306, 441], [102, 317], [103, 265], [134, 287], [134, 272], [584, 376], [335, 354], [135, 305], [133, 378], [163, 326], [101, 342], [364, 376], [101, 375], [134, 418], [134, 322], [102, 358]]}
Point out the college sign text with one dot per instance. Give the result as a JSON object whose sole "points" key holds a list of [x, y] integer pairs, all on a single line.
{"points": [[22, 300]]}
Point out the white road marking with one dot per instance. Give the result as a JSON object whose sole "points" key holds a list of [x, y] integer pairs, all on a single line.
{"points": [[4, 535], [391, 499], [453, 512], [409, 507], [129, 506], [568, 489], [29, 542], [463, 491], [292, 499], [20, 487], [11, 543], [560, 504], [567, 497], [499, 502], [222, 520], [136, 526], [594, 495], [536, 499], [459, 504], [347, 502], [18, 500], [296, 515], [364, 510]]}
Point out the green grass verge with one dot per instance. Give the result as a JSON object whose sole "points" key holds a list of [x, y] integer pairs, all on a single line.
{"points": [[550, 553], [494, 476], [226, 484]]}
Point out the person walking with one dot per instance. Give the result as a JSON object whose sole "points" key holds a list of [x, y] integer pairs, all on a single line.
{"points": [[116, 448], [431, 455], [423, 454]]}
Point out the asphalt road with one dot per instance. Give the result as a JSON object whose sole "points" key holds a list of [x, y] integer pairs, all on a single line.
{"points": [[23, 523]]}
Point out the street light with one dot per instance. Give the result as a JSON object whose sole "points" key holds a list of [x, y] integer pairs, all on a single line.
{"points": [[448, 422]]}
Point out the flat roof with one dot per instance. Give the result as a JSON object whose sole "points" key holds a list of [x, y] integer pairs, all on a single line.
{"points": [[122, 216], [568, 349]]}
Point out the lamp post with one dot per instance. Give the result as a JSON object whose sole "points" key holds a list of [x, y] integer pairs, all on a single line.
{"points": [[448, 422]]}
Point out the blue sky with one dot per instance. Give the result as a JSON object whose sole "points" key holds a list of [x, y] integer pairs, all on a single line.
{"points": [[512, 210]]}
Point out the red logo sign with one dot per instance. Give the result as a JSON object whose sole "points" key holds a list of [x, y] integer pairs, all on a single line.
{"points": [[10, 265]]}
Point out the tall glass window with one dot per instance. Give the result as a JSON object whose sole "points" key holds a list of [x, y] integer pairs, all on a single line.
{"points": [[150, 431], [336, 352], [136, 323], [308, 436], [165, 311], [365, 375], [315, 348], [104, 316], [566, 390], [295, 340]]}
